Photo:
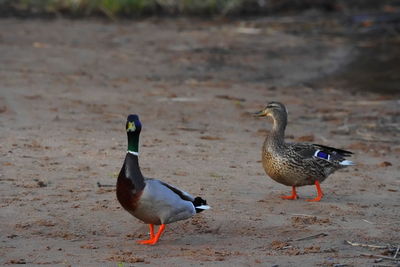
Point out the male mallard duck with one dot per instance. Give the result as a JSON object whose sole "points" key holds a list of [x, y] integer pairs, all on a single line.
{"points": [[297, 164], [150, 200]]}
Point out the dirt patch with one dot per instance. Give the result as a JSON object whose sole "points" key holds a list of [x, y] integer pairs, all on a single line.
{"points": [[67, 87], [300, 221]]}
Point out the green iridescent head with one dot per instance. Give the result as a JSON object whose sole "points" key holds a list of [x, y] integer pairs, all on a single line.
{"points": [[133, 128]]}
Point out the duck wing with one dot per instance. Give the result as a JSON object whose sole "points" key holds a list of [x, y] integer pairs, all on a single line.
{"points": [[166, 202], [320, 153], [306, 151], [338, 151], [182, 194]]}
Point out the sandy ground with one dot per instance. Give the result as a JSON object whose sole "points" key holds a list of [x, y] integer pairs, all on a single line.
{"points": [[67, 87]]}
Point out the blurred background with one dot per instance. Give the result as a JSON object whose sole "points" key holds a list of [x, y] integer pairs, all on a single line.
{"points": [[372, 27], [195, 70]]}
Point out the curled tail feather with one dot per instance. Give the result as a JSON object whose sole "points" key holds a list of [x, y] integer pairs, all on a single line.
{"points": [[200, 204]]}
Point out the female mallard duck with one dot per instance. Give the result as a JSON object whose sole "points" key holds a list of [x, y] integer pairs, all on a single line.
{"points": [[297, 164], [151, 200]]}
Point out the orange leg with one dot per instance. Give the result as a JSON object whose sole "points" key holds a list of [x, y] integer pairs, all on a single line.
{"points": [[151, 226], [292, 196], [153, 240], [319, 193]]}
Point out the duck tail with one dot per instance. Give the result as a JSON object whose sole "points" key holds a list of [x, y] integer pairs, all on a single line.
{"points": [[346, 163], [200, 204], [334, 154]]}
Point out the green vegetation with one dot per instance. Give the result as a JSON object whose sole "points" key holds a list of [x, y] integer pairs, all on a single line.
{"points": [[114, 8], [135, 8]]}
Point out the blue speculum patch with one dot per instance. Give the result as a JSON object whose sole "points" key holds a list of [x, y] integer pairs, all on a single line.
{"points": [[322, 155]]}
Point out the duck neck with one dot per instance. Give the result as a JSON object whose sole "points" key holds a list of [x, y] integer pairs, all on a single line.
{"points": [[277, 135], [132, 168], [133, 143], [132, 171]]}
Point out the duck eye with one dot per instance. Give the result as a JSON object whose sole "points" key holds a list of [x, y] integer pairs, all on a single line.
{"points": [[272, 105]]}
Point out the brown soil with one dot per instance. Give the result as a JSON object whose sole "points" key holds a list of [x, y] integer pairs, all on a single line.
{"points": [[67, 87]]}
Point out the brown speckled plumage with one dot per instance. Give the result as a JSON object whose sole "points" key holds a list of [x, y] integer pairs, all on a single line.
{"points": [[296, 164]]}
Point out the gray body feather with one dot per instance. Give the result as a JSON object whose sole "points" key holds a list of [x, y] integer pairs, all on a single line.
{"points": [[161, 203]]}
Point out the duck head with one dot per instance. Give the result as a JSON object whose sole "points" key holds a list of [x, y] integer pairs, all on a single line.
{"points": [[133, 128], [278, 113], [273, 109], [133, 124]]}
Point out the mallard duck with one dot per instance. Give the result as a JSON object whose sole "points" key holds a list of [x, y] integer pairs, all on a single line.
{"points": [[152, 201], [297, 164]]}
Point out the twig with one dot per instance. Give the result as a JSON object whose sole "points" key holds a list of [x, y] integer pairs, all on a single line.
{"points": [[227, 97], [311, 237], [104, 185], [367, 102], [397, 251], [355, 244], [379, 256], [367, 221], [376, 140], [190, 129], [305, 215]]}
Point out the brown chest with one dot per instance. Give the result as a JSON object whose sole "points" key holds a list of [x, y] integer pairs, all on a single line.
{"points": [[126, 194], [286, 172], [273, 164]]}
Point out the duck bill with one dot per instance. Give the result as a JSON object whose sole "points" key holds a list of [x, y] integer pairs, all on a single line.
{"points": [[130, 126], [260, 113]]}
